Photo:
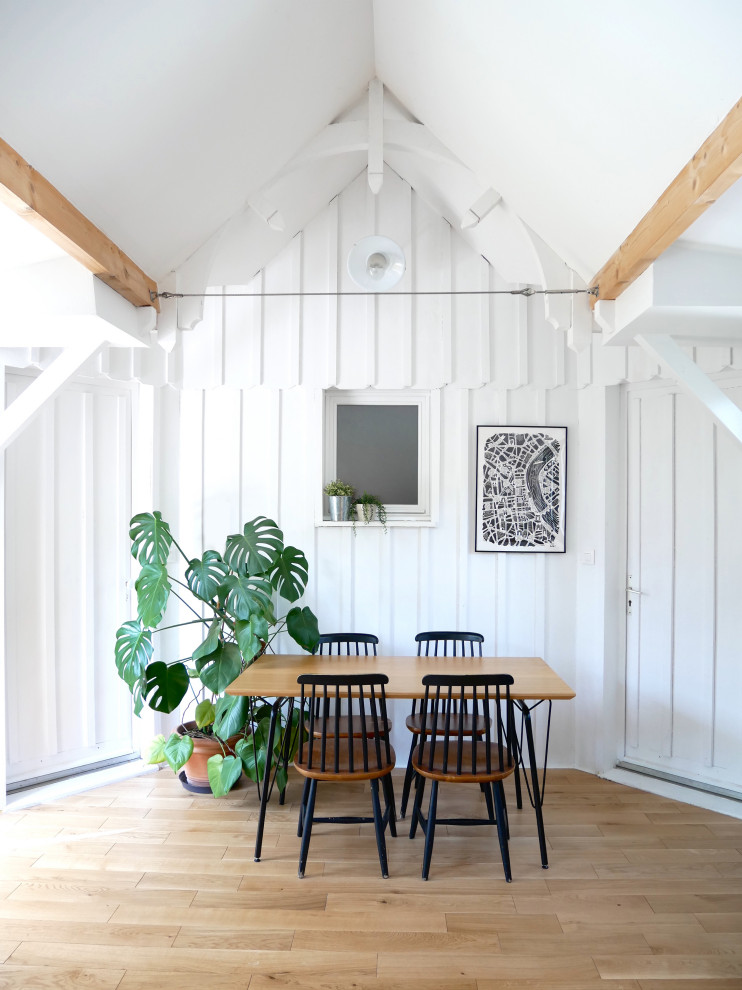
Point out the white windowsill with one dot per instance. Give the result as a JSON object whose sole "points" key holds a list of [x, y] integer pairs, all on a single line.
{"points": [[391, 524]]}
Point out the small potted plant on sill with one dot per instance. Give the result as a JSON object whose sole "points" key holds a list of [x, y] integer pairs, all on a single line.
{"points": [[340, 496], [367, 507], [230, 597]]}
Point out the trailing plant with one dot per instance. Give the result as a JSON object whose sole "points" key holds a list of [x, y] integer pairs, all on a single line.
{"points": [[339, 488], [231, 596], [367, 503]]}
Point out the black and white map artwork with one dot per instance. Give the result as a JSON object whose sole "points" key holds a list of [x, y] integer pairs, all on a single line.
{"points": [[521, 474]]}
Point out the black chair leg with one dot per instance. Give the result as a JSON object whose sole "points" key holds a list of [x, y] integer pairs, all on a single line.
{"points": [[485, 788], [408, 775], [501, 832], [501, 787], [308, 819], [303, 806], [417, 805], [391, 807], [379, 828], [430, 830]]}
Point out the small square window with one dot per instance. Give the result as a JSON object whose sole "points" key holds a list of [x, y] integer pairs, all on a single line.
{"points": [[380, 443]]}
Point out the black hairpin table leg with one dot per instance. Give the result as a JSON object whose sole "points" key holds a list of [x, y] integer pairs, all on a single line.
{"points": [[536, 798], [264, 792]]}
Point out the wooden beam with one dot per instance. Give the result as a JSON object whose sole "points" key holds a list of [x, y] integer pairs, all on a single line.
{"points": [[713, 169], [32, 197]]}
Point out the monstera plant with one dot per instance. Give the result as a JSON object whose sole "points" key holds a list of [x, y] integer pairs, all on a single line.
{"points": [[231, 596]]}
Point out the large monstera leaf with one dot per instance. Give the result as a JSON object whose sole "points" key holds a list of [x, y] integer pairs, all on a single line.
{"points": [[251, 635], [205, 576], [166, 685], [247, 596], [230, 716], [133, 653], [151, 538], [290, 574], [303, 627], [153, 590], [220, 667], [256, 548]]}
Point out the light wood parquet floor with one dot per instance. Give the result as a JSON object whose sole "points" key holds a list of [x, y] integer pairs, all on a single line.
{"points": [[142, 886]]}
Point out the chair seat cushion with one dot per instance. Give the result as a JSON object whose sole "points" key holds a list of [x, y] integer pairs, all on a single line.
{"points": [[467, 775], [377, 767], [370, 729], [415, 724]]}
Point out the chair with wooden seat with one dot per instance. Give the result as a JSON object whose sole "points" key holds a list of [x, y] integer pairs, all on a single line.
{"points": [[346, 645], [484, 757], [328, 756], [438, 644]]}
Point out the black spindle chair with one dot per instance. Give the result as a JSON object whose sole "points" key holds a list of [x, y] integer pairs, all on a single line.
{"points": [[438, 644], [326, 755], [350, 645], [347, 644], [450, 756]]}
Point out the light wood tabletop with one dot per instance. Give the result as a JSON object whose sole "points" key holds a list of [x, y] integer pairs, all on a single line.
{"points": [[275, 675]]}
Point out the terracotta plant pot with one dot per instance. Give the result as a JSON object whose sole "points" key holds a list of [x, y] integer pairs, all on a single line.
{"points": [[196, 771]]}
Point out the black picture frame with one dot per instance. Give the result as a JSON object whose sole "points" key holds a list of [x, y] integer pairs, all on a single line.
{"points": [[521, 489]]}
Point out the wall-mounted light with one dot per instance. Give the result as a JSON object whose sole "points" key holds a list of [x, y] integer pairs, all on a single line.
{"points": [[376, 263]]}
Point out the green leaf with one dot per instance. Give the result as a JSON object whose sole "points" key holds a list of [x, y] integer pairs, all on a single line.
{"points": [[290, 574], [133, 652], [205, 713], [250, 635], [167, 685], [230, 716], [153, 591], [248, 596], [210, 643], [282, 778], [224, 772], [178, 751], [256, 549], [151, 538], [253, 751], [303, 628], [205, 576], [156, 751], [219, 669]]}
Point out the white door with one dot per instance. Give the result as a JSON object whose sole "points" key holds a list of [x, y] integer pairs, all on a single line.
{"points": [[67, 501], [684, 566]]}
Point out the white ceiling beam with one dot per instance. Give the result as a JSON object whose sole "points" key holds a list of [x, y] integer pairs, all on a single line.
{"points": [[671, 356], [24, 409], [479, 210], [375, 135], [59, 303]]}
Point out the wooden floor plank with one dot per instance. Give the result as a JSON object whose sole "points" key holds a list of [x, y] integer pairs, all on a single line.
{"points": [[58, 978]]}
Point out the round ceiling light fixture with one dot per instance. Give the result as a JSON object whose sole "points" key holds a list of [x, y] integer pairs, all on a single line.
{"points": [[376, 263]]}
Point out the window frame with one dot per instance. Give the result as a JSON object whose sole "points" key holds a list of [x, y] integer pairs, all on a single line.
{"points": [[428, 435]]}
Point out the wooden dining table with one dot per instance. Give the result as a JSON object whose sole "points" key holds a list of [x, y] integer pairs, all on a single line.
{"points": [[274, 676]]}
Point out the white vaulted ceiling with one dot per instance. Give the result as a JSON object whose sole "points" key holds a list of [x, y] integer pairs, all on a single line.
{"points": [[161, 119]]}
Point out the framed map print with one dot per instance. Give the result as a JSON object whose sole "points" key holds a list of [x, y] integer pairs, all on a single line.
{"points": [[521, 489]]}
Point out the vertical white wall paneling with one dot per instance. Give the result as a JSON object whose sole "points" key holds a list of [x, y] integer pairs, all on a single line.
{"points": [[393, 311], [281, 318], [222, 464], [693, 638], [202, 351], [260, 453], [318, 313], [242, 336], [69, 502], [431, 313], [470, 363], [355, 313], [727, 580], [656, 583]]}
